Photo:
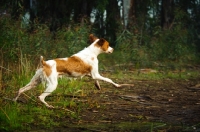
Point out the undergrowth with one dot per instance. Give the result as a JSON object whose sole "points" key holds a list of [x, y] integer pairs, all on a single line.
{"points": [[168, 53]]}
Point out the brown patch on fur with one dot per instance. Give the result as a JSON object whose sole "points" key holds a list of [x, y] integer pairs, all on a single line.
{"points": [[72, 64], [92, 58], [46, 67], [92, 38], [103, 44]]}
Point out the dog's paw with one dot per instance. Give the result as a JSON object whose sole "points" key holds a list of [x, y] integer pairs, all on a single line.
{"points": [[14, 100], [97, 85], [117, 85], [125, 85], [50, 106]]}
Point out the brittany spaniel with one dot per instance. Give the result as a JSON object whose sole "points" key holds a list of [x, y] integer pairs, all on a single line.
{"points": [[80, 64]]}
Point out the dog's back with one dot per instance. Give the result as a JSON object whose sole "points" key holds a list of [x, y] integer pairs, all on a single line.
{"points": [[83, 63]]}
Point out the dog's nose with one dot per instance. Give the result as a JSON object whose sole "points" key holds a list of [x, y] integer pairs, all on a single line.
{"points": [[110, 50]]}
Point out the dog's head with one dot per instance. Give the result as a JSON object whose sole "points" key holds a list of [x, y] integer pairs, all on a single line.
{"points": [[101, 43]]}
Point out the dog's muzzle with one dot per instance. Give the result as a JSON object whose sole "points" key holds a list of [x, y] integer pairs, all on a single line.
{"points": [[110, 50]]}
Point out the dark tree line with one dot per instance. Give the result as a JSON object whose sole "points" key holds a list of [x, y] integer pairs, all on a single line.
{"points": [[110, 16]]}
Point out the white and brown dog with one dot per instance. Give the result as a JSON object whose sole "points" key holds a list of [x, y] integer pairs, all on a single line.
{"points": [[80, 64]]}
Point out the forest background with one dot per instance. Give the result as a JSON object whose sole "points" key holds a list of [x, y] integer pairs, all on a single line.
{"points": [[160, 36], [143, 32]]}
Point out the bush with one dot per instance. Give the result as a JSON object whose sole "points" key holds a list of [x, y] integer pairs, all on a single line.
{"points": [[21, 48], [162, 46], [16, 41]]}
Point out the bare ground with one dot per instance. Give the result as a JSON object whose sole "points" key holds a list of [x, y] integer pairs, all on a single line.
{"points": [[163, 105]]}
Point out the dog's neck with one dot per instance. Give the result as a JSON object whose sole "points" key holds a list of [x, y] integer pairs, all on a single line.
{"points": [[94, 49], [90, 51]]}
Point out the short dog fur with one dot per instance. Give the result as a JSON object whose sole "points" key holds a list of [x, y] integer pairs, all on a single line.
{"points": [[80, 64]]}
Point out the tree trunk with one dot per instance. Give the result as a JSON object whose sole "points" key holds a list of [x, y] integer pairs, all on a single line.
{"points": [[126, 8], [82, 11], [132, 13], [167, 14], [112, 20]]}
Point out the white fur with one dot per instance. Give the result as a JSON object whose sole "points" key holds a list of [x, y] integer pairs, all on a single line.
{"points": [[88, 55]]}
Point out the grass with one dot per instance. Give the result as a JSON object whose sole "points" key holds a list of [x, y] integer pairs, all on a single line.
{"points": [[23, 115], [18, 47], [29, 112]]}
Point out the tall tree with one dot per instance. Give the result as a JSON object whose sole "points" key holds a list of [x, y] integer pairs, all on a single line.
{"points": [[167, 14], [132, 12], [112, 20], [83, 10]]}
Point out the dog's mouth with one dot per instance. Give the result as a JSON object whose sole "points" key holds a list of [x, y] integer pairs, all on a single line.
{"points": [[110, 51]]}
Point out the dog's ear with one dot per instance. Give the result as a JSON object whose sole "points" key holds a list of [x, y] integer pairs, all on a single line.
{"points": [[103, 44], [101, 41], [92, 38]]}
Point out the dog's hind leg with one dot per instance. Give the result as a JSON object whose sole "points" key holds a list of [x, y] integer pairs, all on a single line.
{"points": [[51, 85], [35, 81]]}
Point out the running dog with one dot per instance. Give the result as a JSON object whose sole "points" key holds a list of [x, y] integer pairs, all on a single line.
{"points": [[80, 64]]}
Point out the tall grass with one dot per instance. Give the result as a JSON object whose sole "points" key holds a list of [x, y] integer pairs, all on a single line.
{"points": [[19, 56], [20, 50], [163, 47]]}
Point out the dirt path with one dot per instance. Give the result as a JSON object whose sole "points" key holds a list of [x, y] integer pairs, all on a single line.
{"points": [[172, 103]]}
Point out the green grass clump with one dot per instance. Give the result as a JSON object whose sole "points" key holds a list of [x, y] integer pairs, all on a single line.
{"points": [[13, 118]]}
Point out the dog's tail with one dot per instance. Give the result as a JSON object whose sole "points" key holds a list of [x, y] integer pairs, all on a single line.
{"points": [[42, 62], [47, 69]]}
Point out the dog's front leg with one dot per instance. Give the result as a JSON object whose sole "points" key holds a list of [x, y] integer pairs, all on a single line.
{"points": [[97, 85], [97, 76]]}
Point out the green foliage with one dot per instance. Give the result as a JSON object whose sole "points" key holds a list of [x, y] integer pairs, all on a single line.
{"points": [[172, 45], [127, 43], [101, 5], [138, 47], [17, 42], [9, 118], [21, 116]]}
